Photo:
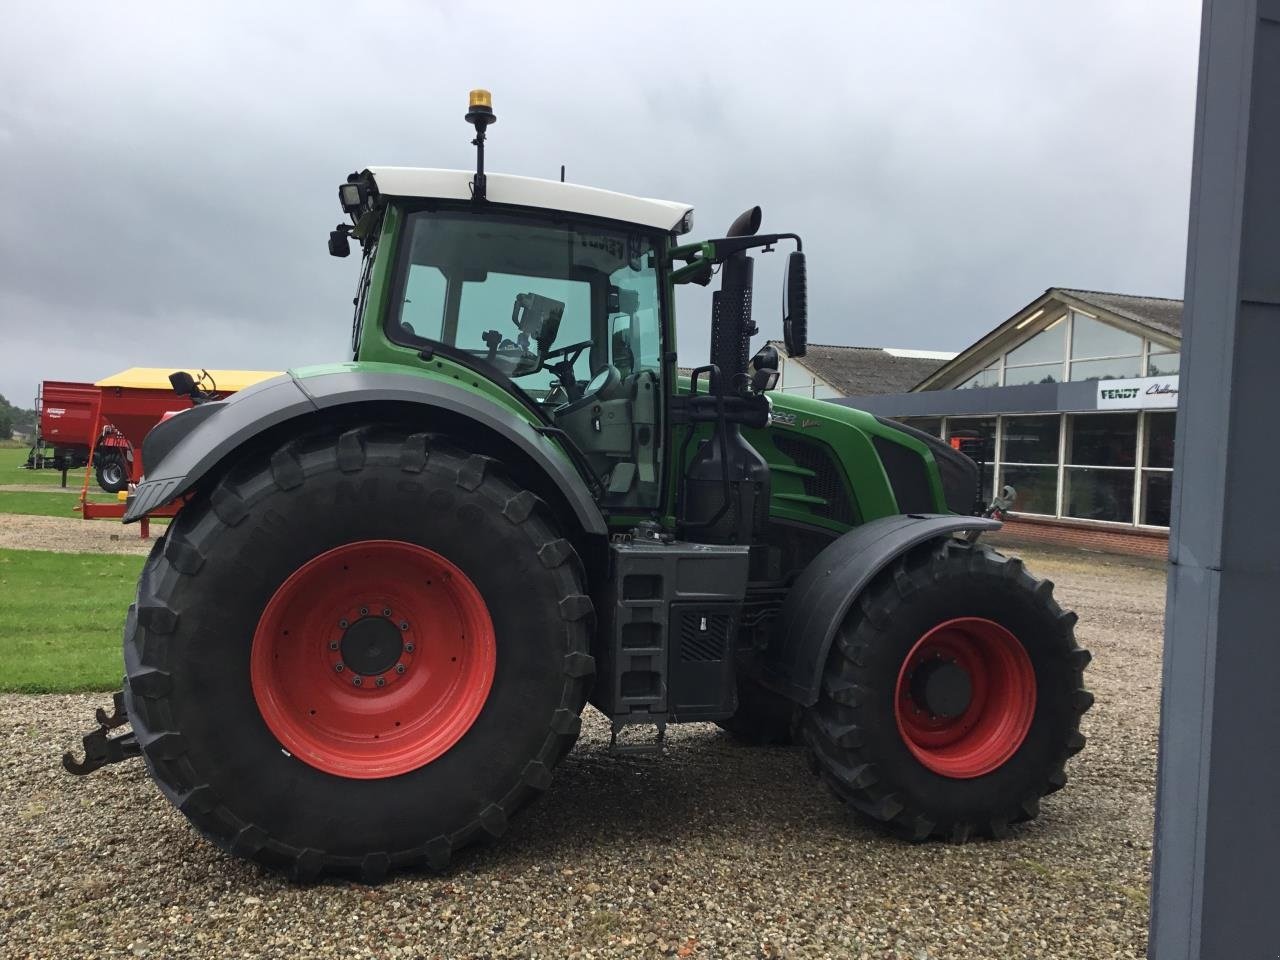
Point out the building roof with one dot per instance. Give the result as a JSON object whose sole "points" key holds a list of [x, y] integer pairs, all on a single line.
{"points": [[1157, 313], [858, 371], [533, 192], [1158, 317]]}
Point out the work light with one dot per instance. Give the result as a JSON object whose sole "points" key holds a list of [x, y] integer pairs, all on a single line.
{"points": [[351, 196]]}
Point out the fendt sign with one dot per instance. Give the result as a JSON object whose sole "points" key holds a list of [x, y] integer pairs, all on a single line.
{"points": [[1139, 393]]}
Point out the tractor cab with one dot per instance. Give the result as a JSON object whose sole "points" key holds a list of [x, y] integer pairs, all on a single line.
{"points": [[562, 296], [566, 313]]}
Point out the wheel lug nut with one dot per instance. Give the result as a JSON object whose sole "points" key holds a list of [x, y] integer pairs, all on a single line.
{"points": [[408, 648], [358, 681], [381, 682], [364, 611], [339, 667], [343, 624], [404, 624], [399, 669], [386, 611]]}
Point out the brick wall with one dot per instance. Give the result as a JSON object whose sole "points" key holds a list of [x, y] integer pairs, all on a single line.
{"points": [[1086, 536]]}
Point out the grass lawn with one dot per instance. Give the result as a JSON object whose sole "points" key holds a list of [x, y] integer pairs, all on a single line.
{"points": [[61, 615], [11, 470], [47, 504]]}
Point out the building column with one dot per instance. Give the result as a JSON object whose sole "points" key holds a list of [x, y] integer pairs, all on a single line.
{"points": [[1217, 845]]}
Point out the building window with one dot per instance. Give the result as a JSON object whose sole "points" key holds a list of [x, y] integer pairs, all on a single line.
{"points": [[1161, 363], [1047, 345], [1101, 452], [1034, 373], [1102, 440], [1100, 351], [1039, 360], [1112, 368], [1157, 469], [1115, 467], [987, 377], [1029, 462], [976, 438]]}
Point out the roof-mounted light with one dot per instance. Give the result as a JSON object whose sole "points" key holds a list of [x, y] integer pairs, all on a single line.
{"points": [[480, 114]]}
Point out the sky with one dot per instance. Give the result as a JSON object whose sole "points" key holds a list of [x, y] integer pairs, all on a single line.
{"points": [[170, 170]]}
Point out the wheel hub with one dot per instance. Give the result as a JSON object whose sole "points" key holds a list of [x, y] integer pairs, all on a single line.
{"points": [[942, 687], [371, 646]]}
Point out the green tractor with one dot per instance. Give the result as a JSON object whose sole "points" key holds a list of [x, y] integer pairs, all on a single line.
{"points": [[394, 583]]}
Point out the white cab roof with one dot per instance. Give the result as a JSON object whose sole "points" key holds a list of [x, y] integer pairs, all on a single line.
{"points": [[531, 192]]}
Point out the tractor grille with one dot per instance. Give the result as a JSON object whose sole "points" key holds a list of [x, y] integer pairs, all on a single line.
{"points": [[827, 481], [704, 637]]}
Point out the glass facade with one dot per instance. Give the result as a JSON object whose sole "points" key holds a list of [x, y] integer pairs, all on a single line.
{"points": [[1104, 467], [1073, 346], [1109, 467]]}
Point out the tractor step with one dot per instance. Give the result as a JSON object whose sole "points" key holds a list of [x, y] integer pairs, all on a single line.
{"points": [[637, 748], [101, 750]]}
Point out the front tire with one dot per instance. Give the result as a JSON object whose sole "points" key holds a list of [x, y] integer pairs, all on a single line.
{"points": [[442, 579], [952, 696]]}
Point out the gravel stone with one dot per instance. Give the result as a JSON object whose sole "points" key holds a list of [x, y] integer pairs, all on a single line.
{"points": [[714, 851]]}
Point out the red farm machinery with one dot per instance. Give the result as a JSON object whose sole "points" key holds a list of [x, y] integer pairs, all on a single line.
{"points": [[100, 426]]}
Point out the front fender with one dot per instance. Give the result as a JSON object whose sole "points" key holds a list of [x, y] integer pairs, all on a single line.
{"points": [[185, 448], [816, 605]]}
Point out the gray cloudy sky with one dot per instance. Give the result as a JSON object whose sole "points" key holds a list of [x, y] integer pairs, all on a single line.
{"points": [[170, 173]]}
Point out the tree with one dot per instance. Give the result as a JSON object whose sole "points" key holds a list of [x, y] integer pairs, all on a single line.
{"points": [[14, 418]]}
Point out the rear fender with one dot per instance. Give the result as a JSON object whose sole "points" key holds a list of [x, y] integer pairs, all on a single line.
{"points": [[186, 448], [816, 605]]}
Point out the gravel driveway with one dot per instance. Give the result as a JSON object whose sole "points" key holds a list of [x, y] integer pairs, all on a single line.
{"points": [[713, 851], [72, 535]]}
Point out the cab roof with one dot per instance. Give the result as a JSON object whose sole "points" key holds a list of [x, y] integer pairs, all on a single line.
{"points": [[533, 192]]}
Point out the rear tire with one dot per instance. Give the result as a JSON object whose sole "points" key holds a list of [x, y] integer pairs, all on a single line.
{"points": [[207, 700], [112, 472], [984, 762]]}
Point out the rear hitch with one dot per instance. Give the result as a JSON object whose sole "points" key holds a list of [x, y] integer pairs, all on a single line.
{"points": [[99, 749]]}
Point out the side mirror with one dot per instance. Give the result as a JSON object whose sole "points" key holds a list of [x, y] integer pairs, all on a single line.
{"points": [[339, 245], [795, 305]]}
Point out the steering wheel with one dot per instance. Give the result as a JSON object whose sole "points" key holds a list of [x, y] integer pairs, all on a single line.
{"points": [[563, 369]]}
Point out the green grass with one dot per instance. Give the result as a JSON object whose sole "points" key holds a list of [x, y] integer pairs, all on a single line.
{"points": [[11, 469], [60, 620], [32, 503]]}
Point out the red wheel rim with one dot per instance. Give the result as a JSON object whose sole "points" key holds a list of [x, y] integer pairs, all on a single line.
{"points": [[985, 732], [421, 648]]}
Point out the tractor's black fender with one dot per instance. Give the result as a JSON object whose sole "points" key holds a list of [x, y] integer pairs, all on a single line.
{"points": [[821, 596], [178, 452]]}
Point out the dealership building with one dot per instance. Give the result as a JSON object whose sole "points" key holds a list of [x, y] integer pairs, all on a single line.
{"points": [[1072, 402]]}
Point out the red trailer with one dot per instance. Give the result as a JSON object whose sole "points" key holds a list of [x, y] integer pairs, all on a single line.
{"points": [[101, 426], [65, 435]]}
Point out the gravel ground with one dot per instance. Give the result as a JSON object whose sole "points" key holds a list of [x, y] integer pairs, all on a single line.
{"points": [[715, 850], [72, 535]]}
